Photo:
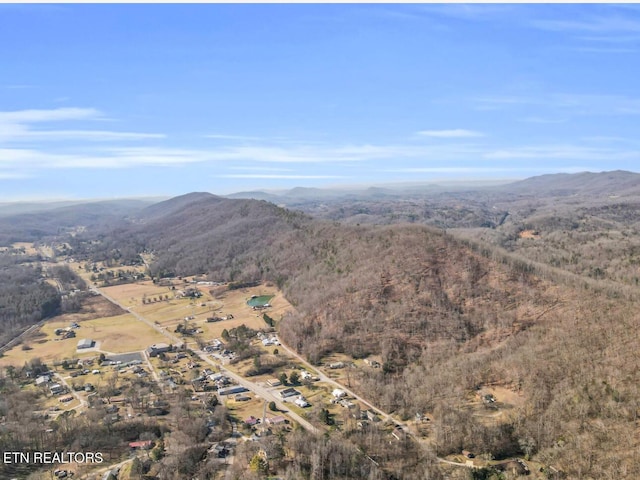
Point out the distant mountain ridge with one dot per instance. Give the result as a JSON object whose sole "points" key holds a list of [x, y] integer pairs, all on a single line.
{"points": [[175, 204], [40, 224], [617, 182]]}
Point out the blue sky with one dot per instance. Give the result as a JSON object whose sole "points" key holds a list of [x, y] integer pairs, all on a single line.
{"points": [[100, 101]]}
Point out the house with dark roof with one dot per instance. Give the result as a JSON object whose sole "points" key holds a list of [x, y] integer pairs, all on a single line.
{"points": [[158, 348]]}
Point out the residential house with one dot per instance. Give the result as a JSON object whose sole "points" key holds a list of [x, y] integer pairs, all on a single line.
{"points": [[278, 420], [289, 392], [158, 348], [338, 393], [233, 390], [56, 389], [43, 380]]}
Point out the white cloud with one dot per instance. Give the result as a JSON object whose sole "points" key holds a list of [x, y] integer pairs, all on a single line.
{"points": [[16, 86], [16, 126], [58, 114], [18, 133], [240, 138], [601, 24], [568, 152], [101, 157], [543, 120], [320, 154], [611, 39], [12, 176], [458, 170], [280, 176], [260, 168], [604, 50], [455, 133], [472, 12], [105, 158], [269, 161], [568, 103]]}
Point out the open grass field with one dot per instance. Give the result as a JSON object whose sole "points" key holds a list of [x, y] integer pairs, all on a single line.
{"points": [[169, 313], [116, 334], [243, 410], [235, 302], [53, 402], [172, 312], [131, 294], [123, 333]]}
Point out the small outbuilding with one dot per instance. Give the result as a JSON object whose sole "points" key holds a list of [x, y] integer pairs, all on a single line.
{"points": [[85, 343]]}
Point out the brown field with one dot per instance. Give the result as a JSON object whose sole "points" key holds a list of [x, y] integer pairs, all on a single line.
{"points": [[169, 313], [28, 247], [123, 334], [117, 334], [243, 410], [131, 294]]}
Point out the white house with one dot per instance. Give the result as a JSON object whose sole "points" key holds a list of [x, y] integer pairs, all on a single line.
{"points": [[337, 393]]}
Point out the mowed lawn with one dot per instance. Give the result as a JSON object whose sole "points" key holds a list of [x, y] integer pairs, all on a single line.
{"points": [[118, 334]]}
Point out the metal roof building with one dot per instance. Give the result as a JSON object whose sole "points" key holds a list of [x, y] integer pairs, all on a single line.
{"points": [[86, 343]]}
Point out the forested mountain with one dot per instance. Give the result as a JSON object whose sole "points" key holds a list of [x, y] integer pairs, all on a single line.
{"points": [[444, 318], [446, 310], [174, 205], [202, 233], [587, 223], [49, 224], [618, 183]]}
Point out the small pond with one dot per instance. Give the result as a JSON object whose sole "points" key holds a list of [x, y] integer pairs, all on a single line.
{"points": [[259, 301]]}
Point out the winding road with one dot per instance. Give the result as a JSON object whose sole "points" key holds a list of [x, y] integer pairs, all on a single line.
{"points": [[256, 389]]}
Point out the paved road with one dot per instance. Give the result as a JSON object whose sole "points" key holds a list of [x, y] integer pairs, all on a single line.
{"points": [[98, 474], [63, 380], [256, 389], [15, 340], [268, 395], [324, 378], [385, 415]]}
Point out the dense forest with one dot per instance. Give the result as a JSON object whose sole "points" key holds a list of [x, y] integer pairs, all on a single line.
{"points": [[29, 293], [25, 298]]}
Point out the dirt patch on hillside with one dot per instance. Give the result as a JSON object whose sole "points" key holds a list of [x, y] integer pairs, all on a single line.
{"points": [[506, 395], [529, 234]]}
